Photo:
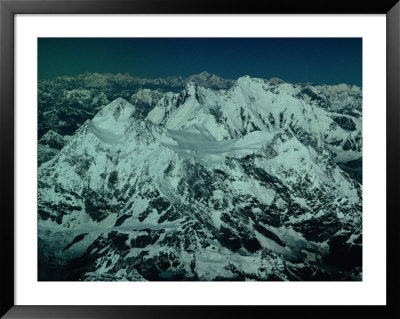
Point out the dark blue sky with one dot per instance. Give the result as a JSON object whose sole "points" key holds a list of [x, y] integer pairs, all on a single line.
{"points": [[318, 60]]}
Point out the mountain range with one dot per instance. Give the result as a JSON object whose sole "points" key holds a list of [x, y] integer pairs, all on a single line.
{"points": [[216, 179]]}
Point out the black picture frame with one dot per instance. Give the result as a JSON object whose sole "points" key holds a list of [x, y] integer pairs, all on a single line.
{"points": [[8, 10]]}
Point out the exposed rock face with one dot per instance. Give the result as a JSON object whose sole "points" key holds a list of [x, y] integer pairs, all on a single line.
{"points": [[146, 99], [237, 184]]}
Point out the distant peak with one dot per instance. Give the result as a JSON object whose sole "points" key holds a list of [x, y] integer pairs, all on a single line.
{"points": [[205, 73], [276, 81], [203, 76], [343, 86]]}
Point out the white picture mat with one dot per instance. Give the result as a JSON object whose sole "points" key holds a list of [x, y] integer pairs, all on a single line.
{"points": [[372, 290]]}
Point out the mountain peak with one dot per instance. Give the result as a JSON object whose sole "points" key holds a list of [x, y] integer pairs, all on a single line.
{"points": [[191, 88], [201, 77], [246, 82], [244, 79], [276, 81], [115, 107], [115, 117], [205, 74], [52, 139]]}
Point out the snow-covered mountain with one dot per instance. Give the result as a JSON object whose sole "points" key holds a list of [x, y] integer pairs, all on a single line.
{"points": [[259, 105], [65, 103], [236, 184]]}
